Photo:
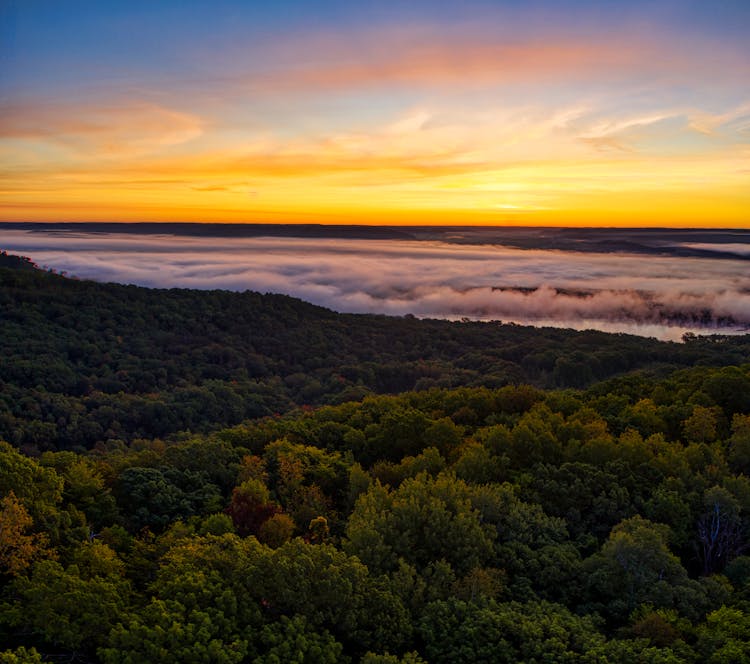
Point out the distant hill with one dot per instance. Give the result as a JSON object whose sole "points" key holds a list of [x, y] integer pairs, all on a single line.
{"points": [[84, 361], [217, 229], [714, 243]]}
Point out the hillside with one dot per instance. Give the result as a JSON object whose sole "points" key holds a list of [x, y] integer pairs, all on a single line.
{"points": [[86, 361]]}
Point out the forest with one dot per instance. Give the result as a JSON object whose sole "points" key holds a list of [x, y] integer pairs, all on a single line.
{"points": [[204, 476], [85, 362]]}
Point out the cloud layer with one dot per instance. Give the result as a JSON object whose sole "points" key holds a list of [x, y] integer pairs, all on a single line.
{"points": [[656, 296]]}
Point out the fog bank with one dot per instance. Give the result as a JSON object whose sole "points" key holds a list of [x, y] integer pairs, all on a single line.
{"points": [[661, 296]]}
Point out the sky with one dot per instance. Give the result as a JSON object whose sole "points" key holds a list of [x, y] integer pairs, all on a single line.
{"points": [[652, 295], [591, 113]]}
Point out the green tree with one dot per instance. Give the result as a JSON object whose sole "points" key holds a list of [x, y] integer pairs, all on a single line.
{"points": [[638, 651], [294, 641], [534, 439], [532, 547], [168, 632], [20, 655], [456, 631], [669, 505], [635, 567], [700, 427], [400, 432], [153, 497], [276, 531], [426, 519], [333, 591], [725, 637], [39, 489], [205, 606], [477, 465], [590, 499], [70, 607], [739, 444], [83, 486]]}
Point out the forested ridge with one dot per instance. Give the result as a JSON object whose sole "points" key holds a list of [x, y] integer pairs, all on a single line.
{"points": [[84, 361], [512, 495]]}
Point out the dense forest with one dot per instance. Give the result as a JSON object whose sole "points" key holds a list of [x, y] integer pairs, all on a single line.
{"points": [[85, 362], [234, 477]]}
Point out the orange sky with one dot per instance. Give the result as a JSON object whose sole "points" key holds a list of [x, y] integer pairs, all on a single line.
{"points": [[389, 122]]}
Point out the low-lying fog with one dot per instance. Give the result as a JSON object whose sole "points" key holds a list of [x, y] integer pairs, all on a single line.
{"points": [[652, 295]]}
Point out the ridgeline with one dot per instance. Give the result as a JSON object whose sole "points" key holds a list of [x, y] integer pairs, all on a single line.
{"points": [[84, 361]]}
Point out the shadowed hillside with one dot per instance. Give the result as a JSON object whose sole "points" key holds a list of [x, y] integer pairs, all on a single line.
{"points": [[86, 361]]}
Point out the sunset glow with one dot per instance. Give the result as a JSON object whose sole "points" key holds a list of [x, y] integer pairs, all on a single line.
{"points": [[321, 112]]}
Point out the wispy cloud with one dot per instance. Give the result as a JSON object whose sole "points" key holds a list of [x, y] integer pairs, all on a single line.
{"points": [[469, 54], [428, 63], [118, 127], [737, 118]]}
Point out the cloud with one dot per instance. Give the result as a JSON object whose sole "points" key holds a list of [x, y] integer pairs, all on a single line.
{"points": [[604, 143], [661, 296], [737, 118], [450, 63], [118, 127], [467, 55]]}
